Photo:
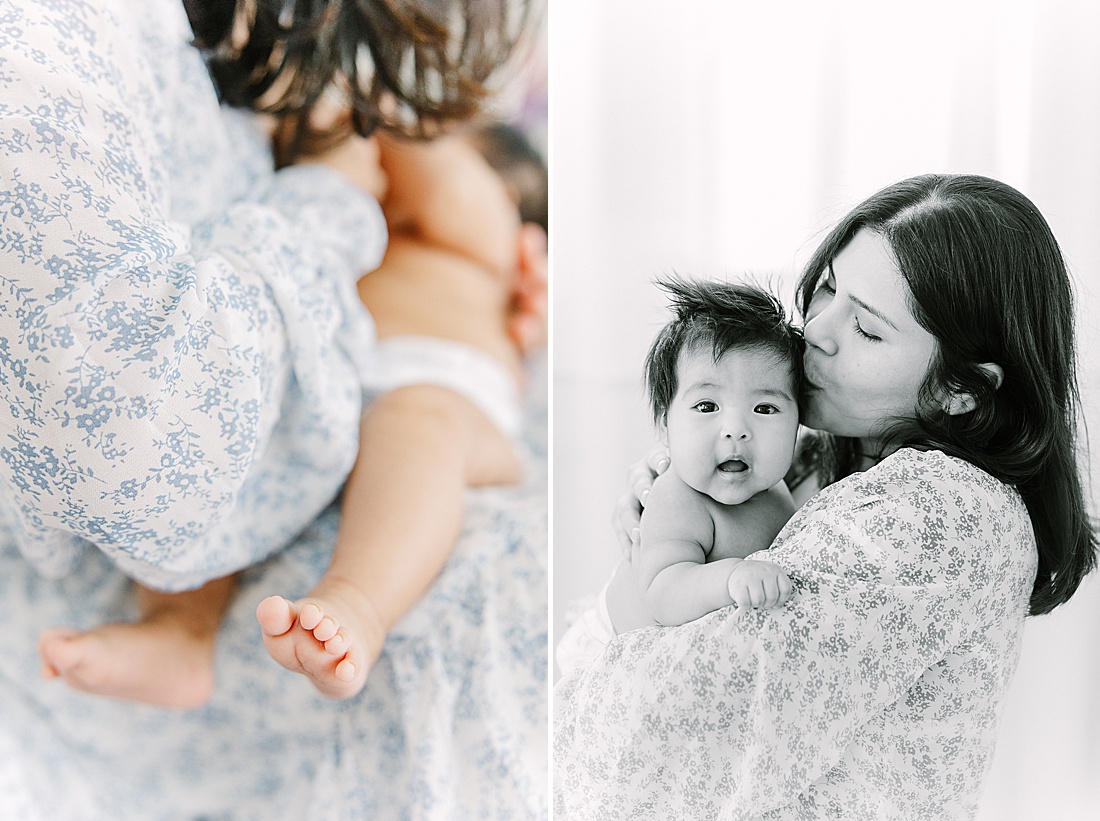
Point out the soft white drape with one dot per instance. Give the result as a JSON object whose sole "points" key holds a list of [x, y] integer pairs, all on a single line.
{"points": [[719, 137]]}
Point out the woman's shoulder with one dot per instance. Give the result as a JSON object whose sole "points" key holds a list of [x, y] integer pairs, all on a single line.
{"points": [[927, 480], [918, 516], [941, 496], [933, 472]]}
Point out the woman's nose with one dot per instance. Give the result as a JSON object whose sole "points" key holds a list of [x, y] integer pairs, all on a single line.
{"points": [[818, 332]]}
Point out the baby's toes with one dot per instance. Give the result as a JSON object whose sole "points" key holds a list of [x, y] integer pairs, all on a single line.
{"points": [[325, 630], [310, 616], [337, 645], [347, 669], [275, 616]]}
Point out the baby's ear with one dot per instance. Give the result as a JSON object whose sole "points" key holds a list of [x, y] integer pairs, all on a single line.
{"points": [[960, 402]]}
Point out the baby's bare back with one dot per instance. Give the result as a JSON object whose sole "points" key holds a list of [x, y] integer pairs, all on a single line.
{"points": [[425, 291]]}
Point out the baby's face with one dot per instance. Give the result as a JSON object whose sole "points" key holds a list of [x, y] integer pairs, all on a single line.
{"points": [[732, 425]]}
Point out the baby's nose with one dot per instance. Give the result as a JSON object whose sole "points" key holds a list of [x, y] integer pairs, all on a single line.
{"points": [[735, 429]]}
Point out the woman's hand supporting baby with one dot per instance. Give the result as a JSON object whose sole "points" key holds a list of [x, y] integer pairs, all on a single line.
{"points": [[627, 517]]}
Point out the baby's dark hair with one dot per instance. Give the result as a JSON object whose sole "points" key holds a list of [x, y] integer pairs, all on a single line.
{"points": [[521, 166], [408, 67], [722, 316]]}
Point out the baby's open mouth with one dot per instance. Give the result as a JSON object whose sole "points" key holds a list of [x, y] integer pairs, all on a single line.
{"points": [[733, 466]]}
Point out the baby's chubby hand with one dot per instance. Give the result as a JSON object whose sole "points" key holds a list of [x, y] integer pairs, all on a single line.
{"points": [[756, 583]]}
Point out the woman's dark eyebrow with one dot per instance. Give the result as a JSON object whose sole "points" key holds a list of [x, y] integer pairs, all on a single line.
{"points": [[873, 311]]}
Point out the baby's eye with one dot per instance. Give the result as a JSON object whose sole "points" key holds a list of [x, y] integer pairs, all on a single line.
{"points": [[765, 409], [706, 406]]}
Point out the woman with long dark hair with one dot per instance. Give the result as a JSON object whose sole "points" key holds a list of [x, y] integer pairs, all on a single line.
{"points": [[941, 371]]}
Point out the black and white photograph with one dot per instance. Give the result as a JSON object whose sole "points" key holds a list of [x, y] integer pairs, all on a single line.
{"points": [[887, 611]]}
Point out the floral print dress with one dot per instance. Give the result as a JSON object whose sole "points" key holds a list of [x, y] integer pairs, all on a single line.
{"points": [[182, 356], [181, 343], [874, 693]]}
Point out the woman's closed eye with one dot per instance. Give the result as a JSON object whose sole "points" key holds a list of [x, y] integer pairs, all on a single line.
{"points": [[868, 336]]}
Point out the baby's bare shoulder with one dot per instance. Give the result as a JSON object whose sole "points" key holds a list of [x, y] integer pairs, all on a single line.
{"points": [[674, 510], [741, 530], [669, 491]]}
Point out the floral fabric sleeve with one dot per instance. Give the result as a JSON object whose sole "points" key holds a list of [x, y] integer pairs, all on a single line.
{"points": [[180, 338], [896, 571]]}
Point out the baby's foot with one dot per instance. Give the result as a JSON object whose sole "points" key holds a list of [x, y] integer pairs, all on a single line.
{"points": [[332, 636], [157, 662]]}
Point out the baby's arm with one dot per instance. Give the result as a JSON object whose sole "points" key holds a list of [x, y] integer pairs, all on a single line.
{"points": [[678, 584]]}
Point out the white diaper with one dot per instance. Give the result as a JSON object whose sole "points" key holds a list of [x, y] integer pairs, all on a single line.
{"points": [[401, 361], [585, 639]]}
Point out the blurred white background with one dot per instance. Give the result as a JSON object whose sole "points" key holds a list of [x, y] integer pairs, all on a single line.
{"points": [[715, 137]]}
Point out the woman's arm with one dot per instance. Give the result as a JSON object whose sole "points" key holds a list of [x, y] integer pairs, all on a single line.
{"points": [[729, 717], [170, 358]]}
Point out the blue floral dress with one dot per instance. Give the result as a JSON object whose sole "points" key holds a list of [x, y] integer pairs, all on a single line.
{"points": [[181, 369], [874, 693], [180, 338]]}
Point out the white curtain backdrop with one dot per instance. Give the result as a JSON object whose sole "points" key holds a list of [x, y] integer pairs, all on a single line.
{"points": [[722, 137]]}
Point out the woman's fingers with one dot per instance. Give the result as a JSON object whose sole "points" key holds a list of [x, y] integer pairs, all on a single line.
{"points": [[627, 517], [658, 460], [626, 521], [642, 474], [635, 555]]}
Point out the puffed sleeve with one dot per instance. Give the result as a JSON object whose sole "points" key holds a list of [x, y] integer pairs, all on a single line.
{"points": [[731, 717], [180, 369]]}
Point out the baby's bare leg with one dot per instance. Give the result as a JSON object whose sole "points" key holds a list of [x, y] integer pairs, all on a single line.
{"points": [[420, 448], [165, 658]]}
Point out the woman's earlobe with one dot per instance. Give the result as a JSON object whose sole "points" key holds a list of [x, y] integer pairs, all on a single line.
{"points": [[959, 403]]}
